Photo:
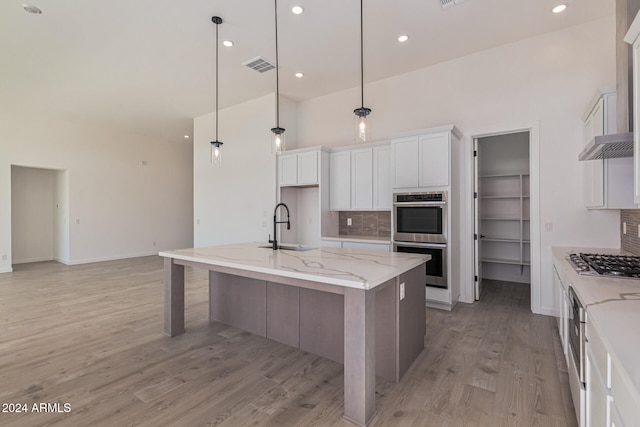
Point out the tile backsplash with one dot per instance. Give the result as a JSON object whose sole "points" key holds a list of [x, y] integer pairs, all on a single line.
{"points": [[630, 241], [365, 223]]}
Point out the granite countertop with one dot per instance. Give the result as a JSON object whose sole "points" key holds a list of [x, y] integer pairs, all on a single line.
{"points": [[353, 268], [613, 309], [363, 239]]}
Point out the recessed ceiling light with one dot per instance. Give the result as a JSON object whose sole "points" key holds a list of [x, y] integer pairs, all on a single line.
{"points": [[297, 10], [559, 8], [186, 137], [227, 43], [299, 75], [403, 38], [31, 9]]}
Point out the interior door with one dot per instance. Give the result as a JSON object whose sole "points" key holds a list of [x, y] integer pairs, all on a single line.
{"points": [[477, 225]]}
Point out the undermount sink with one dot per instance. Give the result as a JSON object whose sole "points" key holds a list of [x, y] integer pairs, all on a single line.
{"points": [[297, 248]]}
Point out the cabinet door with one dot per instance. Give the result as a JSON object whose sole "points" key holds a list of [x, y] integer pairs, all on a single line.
{"points": [[308, 168], [594, 169], [636, 120], [405, 162], [288, 169], [362, 179], [382, 196], [340, 181], [596, 394], [434, 160], [367, 246]]}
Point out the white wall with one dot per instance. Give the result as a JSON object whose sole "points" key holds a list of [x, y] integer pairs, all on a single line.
{"points": [[117, 208], [61, 218], [234, 202], [547, 80], [32, 214]]}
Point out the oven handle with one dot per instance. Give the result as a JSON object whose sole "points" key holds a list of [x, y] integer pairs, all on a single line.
{"points": [[418, 204], [421, 245]]}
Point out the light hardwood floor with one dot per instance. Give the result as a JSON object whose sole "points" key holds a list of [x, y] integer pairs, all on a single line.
{"points": [[91, 336]]}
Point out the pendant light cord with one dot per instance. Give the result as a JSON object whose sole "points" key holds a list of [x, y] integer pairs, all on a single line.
{"points": [[217, 72], [361, 58], [277, 70]]}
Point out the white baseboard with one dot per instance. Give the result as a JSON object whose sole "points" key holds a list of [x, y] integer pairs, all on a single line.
{"points": [[109, 258], [6, 270], [28, 260]]}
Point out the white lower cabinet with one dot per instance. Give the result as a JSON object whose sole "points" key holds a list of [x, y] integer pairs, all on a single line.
{"points": [[563, 311], [331, 243], [350, 244], [367, 246], [597, 393]]}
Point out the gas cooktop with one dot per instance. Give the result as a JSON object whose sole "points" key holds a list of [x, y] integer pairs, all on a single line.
{"points": [[622, 266]]}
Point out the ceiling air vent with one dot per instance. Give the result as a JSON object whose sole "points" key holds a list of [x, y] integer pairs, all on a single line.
{"points": [[259, 64], [446, 4]]}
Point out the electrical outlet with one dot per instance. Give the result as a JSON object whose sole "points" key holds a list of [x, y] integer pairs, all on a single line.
{"points": [[144, 163], [154, 243], [548, 227], [264, 224], [4, 257], [77, 220], [624, 228], [638, 230], [401, 291], [349, 222], [198, 221]]}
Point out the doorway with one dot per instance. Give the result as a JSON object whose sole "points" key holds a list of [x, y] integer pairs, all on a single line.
{"points": [[502, 207], [39, 212]]}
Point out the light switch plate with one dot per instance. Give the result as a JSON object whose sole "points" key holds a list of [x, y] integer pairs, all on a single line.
{"points": [[349, 222], [401, 291], [624, 228]]}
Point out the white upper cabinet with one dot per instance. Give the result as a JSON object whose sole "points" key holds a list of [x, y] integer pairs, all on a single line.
{"points": [[594, 125], [308, 168], [405, 160], [608, 184], [288, 169], [362, 179], [421, 160], [340, 181], [633, 38], [434, 160], [382, 195], [298, 169]]}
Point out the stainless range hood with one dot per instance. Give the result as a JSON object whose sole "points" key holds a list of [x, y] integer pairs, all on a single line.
{"points": [[608, 147], [619, 144]]}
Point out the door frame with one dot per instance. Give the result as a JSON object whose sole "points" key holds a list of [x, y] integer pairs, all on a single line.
{"points": [[534, 174]]}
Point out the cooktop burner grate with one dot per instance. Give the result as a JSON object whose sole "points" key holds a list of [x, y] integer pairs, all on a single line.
{"points": [[625, 266]]}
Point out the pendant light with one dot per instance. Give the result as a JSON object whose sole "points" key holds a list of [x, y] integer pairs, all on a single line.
{"points": [[278, 143], [363, 124], [216, 146]]}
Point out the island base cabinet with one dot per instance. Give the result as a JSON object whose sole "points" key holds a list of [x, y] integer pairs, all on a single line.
{"points": [[283, 314], [317, 321], [238, 301], [321, 324]]}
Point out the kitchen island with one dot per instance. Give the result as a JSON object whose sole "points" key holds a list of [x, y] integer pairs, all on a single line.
{"points": [[365, 309]]}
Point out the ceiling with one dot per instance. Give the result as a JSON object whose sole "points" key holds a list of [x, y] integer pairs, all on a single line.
{"points": [[148, 66]]}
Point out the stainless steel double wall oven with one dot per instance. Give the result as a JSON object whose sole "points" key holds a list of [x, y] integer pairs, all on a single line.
{"points": [[420, 226]]}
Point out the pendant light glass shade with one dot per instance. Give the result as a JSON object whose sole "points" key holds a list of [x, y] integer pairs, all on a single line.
{"points": [[216, 152], [278, 143], [216, 146], [363, 124], [363, 121]]}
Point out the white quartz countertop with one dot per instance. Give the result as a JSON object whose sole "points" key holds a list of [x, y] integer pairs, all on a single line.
{"points": [[613, 309], [353, 268]]}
